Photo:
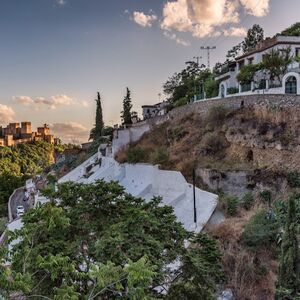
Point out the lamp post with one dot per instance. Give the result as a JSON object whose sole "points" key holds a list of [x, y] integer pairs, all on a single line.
{"points": [[194, 196]]}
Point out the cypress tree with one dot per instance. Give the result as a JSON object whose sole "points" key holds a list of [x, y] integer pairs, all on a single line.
{"points": [[289, 265], [127, 106], [96, 132]]}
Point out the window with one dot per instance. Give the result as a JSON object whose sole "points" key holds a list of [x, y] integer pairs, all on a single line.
{"points": [[241, 63], [291, 85]]}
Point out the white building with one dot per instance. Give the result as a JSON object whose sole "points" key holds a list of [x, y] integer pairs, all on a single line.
{"points": [[288, 83], [158, 109]]}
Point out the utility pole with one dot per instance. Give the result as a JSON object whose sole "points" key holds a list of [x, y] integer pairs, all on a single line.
{"points": [[208, 48], [197, 59], [194, 196]]}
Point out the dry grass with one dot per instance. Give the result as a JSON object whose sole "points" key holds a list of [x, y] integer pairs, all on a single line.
{"points": [[250, 274]]}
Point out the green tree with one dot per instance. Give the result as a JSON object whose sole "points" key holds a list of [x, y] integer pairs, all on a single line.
{"points": [[293, 30], [182, 86], [276, 62], [96, 132], [254, 36], [289, 263], [127, 106], [200, 271], [98, 241]]}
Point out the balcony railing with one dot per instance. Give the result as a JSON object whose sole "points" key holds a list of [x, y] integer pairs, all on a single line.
{"points": [[246, 87]]}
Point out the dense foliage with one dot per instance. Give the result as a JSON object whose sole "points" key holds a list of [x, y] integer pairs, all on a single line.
{"points": [[19, 162], [101, 243], [181, 87], [293, 30], [289, 263], [262, 230]]}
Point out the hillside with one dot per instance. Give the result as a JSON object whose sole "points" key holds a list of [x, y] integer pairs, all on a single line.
{"points": [[18, 163], [252, 153], [254, 138]]}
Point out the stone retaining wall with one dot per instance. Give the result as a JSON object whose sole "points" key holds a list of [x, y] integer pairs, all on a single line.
{"points": [[201, 107]]}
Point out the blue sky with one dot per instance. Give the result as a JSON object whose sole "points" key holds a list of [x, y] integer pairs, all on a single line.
{"points": [[56, 54]]}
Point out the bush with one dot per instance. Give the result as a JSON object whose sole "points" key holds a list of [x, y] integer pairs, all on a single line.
{"points": [[247, 200], [213, 143], [217, 115], [293, 179], [3, 222], [266, 196], [137, 154], [211, 88], [262, 230], [181, 102], [232, 90], [232, 205], [160, 156]]}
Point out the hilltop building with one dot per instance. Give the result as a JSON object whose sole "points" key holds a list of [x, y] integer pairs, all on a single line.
{"points": [[16, 133], [287, 83]]}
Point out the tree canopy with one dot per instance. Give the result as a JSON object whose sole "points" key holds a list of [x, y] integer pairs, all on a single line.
{"points": [[99, 242], [17, 163]]}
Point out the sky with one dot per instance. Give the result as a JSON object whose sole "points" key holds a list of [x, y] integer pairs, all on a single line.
{"points": [[56, 54]]}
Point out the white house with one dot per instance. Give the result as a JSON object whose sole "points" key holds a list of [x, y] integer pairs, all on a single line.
{"points": [[289, 83], [158, 109]]}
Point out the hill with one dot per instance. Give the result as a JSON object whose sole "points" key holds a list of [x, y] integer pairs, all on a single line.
{"points": [[19, 163], [250, 157]]}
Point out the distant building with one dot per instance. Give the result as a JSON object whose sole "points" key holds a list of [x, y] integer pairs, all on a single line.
{"points": [[158, 109], [14, 134]]}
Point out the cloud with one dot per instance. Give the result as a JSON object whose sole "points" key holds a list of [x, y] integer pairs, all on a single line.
{"points": [[205, 17], [70, 132], [235, 31], [173, 36], [143, 19], [255, 7], [53, 102], [85, 103], [6, 114], [61, 2]]}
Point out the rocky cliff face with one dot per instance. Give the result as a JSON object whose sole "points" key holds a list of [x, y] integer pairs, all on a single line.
{"points": [[232, 149]]}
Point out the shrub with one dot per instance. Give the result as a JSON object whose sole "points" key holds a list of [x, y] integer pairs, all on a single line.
{"points": [[293, 179], [217, 115], [3, 222], [213, 143], [247, 72], [247, 200], [137, 154], [181, 102], [262, 230], [232, 205], [211, 88], [160, 156], [266, 196], [232, 90]]}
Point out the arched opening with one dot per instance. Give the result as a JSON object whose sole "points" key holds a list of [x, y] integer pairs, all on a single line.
{"points": [[222, 91], [291, 85]]}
